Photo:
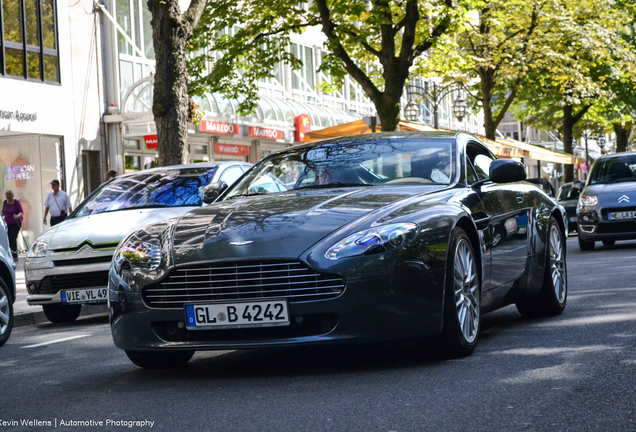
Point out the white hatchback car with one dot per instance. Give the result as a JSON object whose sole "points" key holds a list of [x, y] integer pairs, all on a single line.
{"points": [[67, 265]]}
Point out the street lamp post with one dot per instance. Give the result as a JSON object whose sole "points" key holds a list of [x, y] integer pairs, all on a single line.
{"points": [[601, 140], [434, 95]]}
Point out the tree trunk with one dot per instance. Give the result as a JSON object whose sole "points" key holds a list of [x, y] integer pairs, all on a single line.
{"points": [[487, 85], [622, 136], [568, 126], [171, 105]]}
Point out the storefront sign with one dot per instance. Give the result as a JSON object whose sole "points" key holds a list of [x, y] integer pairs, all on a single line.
{"points": [[238, 150], [17, 115], [260, 132], [20, 172], [303, 126], [151, 141], [219, 127]]}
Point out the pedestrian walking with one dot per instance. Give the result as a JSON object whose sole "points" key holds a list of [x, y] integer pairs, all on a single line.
{"points": [[57, 203], [12, 213]]}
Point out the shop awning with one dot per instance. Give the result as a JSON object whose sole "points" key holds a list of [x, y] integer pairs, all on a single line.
{"points": [[542, 153], [501, 150]]}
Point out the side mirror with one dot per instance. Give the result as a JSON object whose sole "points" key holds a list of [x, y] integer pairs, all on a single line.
{"points": [[212, 191], [507, 171], [577, 186]]}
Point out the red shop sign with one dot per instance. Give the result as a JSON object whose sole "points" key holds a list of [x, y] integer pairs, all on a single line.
{"points": [[238, 150], [303, 126], [260, 132], [151, 141], [219, 127]]}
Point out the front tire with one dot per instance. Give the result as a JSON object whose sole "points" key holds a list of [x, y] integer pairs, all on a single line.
{"points": [[60, 313], [6, 313], [462, 319], [552, 298], [586, 246], [159, 360]]}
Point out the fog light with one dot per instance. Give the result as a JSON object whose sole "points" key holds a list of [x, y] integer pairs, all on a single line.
{"points": [[31, 288]]}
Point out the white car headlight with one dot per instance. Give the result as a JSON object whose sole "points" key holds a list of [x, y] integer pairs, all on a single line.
{"points": [[379, 239], [587, 201], [38, 249]]}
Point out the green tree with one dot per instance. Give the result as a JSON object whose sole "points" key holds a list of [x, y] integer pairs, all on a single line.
{"points": [[586, 65], [376, 42], [171, 105]]}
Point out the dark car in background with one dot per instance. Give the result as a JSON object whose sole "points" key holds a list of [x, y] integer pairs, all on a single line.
{"points": [[67, 265], [568, 197], [607, 205], [373, 237]]}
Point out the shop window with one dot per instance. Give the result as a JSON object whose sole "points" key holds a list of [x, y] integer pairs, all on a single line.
{"points": [[131, 144], [132, 163], [150, 162], [28, 43]]}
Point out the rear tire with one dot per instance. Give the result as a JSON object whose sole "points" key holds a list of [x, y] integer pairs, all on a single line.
{"points": [[159, 360], [462, 318], [586, 246], [60, 313], [6, 313], [552, 298], [609, 242]]}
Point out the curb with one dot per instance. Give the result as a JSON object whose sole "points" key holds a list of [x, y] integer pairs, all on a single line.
{"points": [[38, 317]]}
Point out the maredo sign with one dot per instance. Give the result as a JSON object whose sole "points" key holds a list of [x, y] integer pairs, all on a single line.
{"points": [[237, 150], [151, 141], [260, 132], [219, 127]]}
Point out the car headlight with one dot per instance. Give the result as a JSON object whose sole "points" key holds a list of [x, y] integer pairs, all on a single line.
{"points": [[587, 201], [147, 249], [379, 239], [38, 249]]}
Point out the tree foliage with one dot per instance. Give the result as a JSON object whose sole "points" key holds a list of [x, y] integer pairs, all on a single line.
{"points": [[376, 42]]}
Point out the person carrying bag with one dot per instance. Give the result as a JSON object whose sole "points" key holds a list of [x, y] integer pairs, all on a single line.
{"points": [[12, 213]]}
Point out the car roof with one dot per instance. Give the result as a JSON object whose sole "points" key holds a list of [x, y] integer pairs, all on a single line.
{"points": [[612, 155]]}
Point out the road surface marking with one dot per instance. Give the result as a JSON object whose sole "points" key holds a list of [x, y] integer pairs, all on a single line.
{"points": [[56, 341]]}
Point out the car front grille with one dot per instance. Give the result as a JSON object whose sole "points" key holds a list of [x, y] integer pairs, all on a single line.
{"points": [[82, 261], [616, 227], [56, 283], [242, 281]]}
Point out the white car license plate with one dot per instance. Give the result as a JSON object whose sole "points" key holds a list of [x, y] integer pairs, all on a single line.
{"points": [[236, 315], [85, 295], [622, 215]]}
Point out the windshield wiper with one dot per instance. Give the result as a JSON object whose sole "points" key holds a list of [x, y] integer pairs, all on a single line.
{"points": [[334, 184], [249, 194]]}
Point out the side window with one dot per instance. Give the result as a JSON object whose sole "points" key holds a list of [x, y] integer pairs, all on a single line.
{"points": [[231, 175], [471, 176], [482, 166]]}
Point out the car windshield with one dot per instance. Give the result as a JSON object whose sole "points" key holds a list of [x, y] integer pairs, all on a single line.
{"points": [[350, 164], [170, 188], [567, 193], [614, 170]]}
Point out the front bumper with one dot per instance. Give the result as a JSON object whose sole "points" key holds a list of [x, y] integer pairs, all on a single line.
{"points": [[373, 307], [47, 277], [596, 227]]}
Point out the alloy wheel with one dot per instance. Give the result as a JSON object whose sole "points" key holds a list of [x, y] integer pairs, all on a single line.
{"points": [[466, 290], [557, 264], [5, 318]]}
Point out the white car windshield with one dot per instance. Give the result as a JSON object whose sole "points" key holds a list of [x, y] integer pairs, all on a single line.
{"points": [[170, 188]]}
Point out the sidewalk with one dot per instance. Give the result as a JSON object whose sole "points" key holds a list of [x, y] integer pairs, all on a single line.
{"points": [[25, 315]]}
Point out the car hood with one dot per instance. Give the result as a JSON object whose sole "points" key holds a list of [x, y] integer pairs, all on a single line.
{"points": [[609, 194], [108, 228], [278, 225]]}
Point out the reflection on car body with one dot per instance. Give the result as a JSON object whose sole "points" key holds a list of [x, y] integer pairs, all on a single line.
{"points": [[67, 266], [374, 237]]}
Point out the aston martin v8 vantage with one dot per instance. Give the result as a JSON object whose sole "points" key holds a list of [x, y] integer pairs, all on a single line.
{"points": [[374, 237]]}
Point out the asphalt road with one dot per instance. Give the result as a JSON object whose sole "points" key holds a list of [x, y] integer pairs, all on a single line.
{"points": [[575, 372]]}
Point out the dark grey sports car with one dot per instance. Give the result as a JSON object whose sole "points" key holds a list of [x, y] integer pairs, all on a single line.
{"points": [[374, 237]]}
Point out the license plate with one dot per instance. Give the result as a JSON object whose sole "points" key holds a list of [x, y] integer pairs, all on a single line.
{"points": [[573, 219], [85, 295], [622, 215], [236, 315]]}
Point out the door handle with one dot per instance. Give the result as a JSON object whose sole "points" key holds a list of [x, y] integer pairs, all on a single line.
{"points": [[520, 200]]}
